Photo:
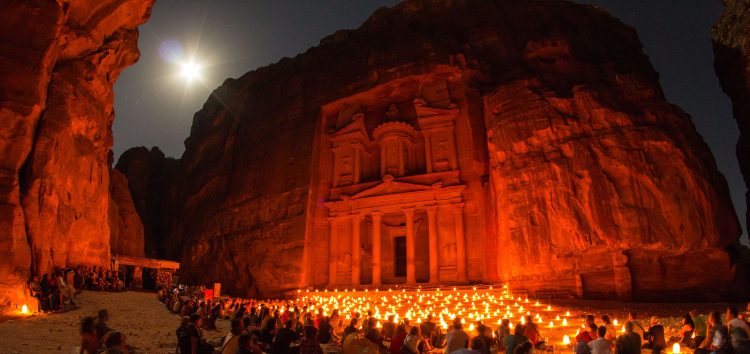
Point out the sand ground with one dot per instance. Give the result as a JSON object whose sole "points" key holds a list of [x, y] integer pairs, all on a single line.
{"points": [[147, 325]]}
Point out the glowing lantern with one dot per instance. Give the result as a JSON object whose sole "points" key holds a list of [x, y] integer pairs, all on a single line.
{"points": [[566, 340], [551, 324], [565, 321], [623, 328], [471, 328], [24, 309], [676, 348], [614, 322]]}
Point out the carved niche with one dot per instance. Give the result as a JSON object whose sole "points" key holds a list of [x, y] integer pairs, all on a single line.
{"points": [[396, 142], [350, 152], [437, 126]]}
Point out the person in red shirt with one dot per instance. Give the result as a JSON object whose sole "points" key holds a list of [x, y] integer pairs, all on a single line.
{"points": [[398, 340]]}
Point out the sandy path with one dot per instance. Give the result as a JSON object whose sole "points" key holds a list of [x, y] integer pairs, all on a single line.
{"points": [[147, 324]]}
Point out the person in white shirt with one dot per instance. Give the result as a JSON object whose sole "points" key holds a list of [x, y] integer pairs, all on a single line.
{"points": [[66, 290], [739, 332], [601, 345]]}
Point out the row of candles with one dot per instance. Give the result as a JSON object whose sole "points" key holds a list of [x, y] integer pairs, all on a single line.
{"points": [[487, 305]]}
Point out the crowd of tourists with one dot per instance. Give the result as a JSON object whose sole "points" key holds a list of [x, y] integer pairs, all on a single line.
{"points": [[287, 327], [703, 334], [55, 292]]}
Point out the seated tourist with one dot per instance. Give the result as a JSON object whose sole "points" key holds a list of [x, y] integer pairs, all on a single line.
{"points": [[524, 348], [230, 344], [589, 334], [739, 332], [655, 336], [477, 347], [687, 330], [699, 327], [398, 340], [601, 345], [456, 337], [247, 345], [513, 340], [531, 331], [428, 329], [629, 342], [310, 343], [485, 335], [89, 343], [502, 331], [66, 290], [190, 340], [637, 328], [351, 328], [373, 335], [325, 331], [611, 333], [388, 329], [268, 331], [115, 343], [284, 338]]}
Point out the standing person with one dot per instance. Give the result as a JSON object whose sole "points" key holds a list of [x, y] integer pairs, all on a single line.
{"points": [[739, 332], [89, 343], [655, 336], [601, 345], [36, 291], [115, 343], [101, 324], [630, 342], [511, 341], [456, 338]]}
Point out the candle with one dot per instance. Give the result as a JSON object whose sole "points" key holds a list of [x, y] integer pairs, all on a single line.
{"points": [[566, 340]]}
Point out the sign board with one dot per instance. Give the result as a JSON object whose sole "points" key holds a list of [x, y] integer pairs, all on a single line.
{"points": [[217, 290], [208, 294]]}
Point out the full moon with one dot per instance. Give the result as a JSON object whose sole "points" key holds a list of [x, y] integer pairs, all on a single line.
{"points": [[190, 70]]}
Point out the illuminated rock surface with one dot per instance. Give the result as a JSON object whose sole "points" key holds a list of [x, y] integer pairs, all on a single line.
{"points": [[519, 141], [58, 63]]}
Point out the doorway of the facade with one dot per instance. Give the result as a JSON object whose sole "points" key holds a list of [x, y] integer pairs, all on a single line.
{"points": [[399, 256]]}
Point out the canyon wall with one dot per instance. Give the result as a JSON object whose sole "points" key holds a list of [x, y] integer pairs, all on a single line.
{"points": [[585, 181], [731, 43], [58, 63]]}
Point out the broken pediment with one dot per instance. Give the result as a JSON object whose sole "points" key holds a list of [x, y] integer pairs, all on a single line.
{"points": [[391, 186]]}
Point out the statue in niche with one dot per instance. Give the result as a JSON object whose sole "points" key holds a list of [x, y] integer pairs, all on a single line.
{"points": [[442, 160], [448, 254], [345, 172], [392, 112]]}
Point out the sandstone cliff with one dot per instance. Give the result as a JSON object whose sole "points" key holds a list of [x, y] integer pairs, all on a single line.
{"points": [[125, 227], [593, 183], [149, 181], [58, 63], [731, 41]]}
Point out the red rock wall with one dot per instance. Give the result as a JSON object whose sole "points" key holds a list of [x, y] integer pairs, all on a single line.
{"points": [[58, 63], [125, 227], [596, 184]]}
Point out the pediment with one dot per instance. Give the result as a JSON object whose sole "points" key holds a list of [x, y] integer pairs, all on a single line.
{"points": [[390, 186], [352, 131]]}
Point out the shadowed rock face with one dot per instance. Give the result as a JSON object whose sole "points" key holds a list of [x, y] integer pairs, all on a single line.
{"points": [[58, 63], [584, 178], [731, 42]]}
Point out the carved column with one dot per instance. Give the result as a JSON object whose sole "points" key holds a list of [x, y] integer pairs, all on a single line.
{"points": [[428, 152], [458, 216], [333, 250], [356, 257], [432, 227], [377, 219], [411, 277]]}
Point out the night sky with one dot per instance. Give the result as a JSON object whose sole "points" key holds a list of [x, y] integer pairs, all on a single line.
{"points": [[155, 106]]}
